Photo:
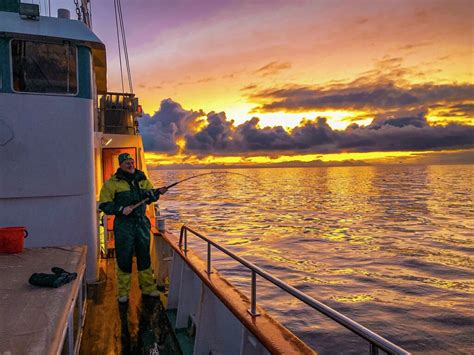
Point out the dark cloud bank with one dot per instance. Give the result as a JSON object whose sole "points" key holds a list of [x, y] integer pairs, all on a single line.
{"points": [[407, 131], [376, 96]]}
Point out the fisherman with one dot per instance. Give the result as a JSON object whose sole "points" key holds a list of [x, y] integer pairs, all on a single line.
{"points": [[121, 196]]}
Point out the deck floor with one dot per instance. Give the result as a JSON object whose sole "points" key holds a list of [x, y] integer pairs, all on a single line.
{"points": [[131, 328]]}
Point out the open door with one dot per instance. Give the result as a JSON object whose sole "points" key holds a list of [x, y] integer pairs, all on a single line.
{"points": [[110, 166], [110, 160]]}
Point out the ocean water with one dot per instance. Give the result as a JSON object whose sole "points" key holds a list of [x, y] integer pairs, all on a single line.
{"points": [[388, 246]]}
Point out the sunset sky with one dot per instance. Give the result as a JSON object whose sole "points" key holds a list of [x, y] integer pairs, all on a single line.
{"points": [[255, 81]]}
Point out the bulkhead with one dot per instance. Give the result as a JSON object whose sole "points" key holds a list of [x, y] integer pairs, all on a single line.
{"points": [[51, 70]]}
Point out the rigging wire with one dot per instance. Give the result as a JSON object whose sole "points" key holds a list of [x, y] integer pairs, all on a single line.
{"points": [[125, 47], [122, 44], [90, 13], [118, 43]]}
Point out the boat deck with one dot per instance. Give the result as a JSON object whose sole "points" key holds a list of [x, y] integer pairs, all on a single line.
{"points": [[39, 320], [131, 328]]}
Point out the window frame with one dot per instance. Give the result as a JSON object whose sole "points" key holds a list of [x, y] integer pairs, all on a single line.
{"points": [[61, 42]]}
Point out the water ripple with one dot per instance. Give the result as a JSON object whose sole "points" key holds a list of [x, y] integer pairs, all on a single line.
{"points": [[389, 246]]}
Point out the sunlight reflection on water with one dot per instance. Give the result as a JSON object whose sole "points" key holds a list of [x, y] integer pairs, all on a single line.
{"points": [[389, 246]]}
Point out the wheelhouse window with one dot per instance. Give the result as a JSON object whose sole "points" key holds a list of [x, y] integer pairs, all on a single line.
{"points": [[44, 67]]}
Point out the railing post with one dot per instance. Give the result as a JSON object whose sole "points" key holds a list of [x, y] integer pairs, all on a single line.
{"points": [[186, 242], [253, 299], [374, 350], [209, 259]]}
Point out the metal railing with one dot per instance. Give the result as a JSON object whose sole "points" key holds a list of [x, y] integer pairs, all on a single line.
{"points": [[376, 341], [117, 113]]}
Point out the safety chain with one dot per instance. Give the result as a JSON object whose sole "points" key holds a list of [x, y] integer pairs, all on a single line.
{"points": [[78, 10]]}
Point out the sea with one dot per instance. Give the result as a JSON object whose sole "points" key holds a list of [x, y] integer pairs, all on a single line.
{"points": [[389, 246]]}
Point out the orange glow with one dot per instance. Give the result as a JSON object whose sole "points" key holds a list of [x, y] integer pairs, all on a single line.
{"points": [[236, 63], [153, 159], [234, 56], [339, 119], [442, 116], [181, 143]]}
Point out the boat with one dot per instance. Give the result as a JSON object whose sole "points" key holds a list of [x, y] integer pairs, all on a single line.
{"points": [[61, 132]]}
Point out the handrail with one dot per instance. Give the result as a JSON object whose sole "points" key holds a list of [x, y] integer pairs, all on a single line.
{"points": [[376, 341]]}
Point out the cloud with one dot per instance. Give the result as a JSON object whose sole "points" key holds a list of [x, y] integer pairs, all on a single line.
{"points": [[376, 96], [361, 20], [217, 135], [272, 68], [411, 46], [463, 110], [399, 120], [143, 86], [161, 131], [250, 137], [383, 88], [205, 80], [220, 136], [249, 87], [316, 136], [405, 134], [229, 76]]}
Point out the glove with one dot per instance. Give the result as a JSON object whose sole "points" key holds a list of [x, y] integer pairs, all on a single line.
{"points": [[152, 196], [58, 270], [160, 191], [52, 280]]}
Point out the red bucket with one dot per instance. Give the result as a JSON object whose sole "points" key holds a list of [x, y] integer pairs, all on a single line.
{"points": [[11, 239]]}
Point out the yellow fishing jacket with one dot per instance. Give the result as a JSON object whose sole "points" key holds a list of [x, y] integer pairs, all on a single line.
{"points": [[123, 190]]}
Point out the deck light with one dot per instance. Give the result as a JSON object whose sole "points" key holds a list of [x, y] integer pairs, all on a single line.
{"points": [[105, 142]]}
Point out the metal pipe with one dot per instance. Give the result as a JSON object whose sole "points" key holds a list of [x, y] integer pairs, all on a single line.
{"points": [[253, 299], [346, 322], [186, 242], [209, 258], [374, 350], [180, 243]]}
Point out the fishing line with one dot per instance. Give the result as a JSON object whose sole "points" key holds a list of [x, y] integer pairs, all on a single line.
{"points": [[211, 173], [155, 191]]}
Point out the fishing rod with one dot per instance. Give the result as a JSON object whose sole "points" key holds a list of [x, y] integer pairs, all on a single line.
{"points": [[138, 204], [198, 175], [156, 191]]}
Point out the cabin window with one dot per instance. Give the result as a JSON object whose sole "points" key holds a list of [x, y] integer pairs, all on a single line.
{"points": [[44, 67]]}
